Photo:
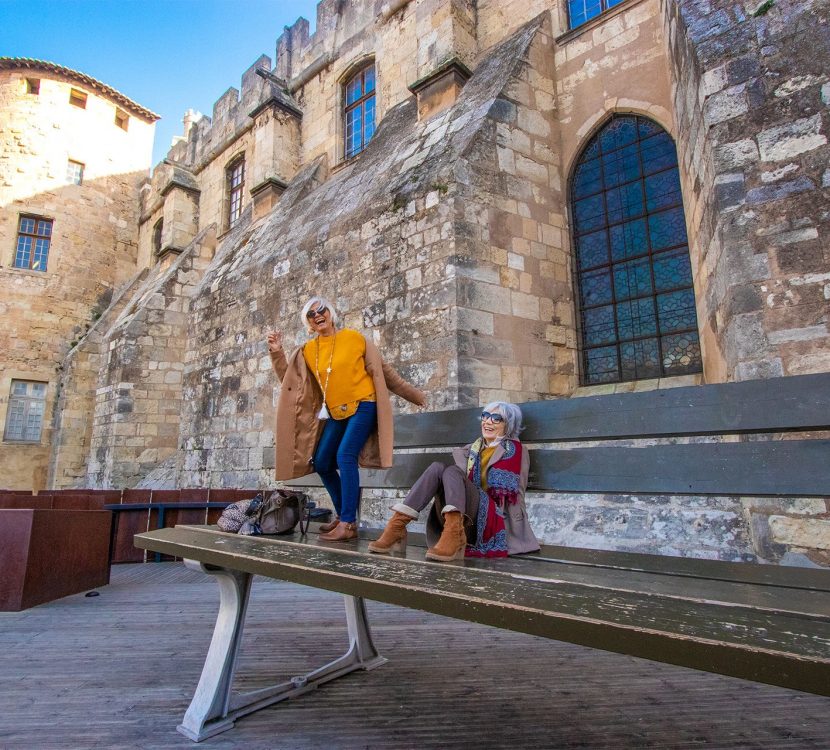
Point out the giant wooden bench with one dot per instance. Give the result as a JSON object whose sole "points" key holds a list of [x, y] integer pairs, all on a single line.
{"points": [[765, 623]]}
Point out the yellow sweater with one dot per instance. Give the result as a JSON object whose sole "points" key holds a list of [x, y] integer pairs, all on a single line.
{"points": [[486, 455], [348, 381]]}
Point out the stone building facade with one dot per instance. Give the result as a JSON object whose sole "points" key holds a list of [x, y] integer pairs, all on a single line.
{"points": [[73, 155], [517, 200]]}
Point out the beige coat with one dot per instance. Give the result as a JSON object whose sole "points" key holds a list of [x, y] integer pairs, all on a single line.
{"points": [[520, 537], [299, 429]]}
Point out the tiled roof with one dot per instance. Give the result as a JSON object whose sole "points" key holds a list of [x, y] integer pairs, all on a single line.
{"points": [[28, 63]]}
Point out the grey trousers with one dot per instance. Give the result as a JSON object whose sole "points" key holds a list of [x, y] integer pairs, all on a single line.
{"points": [[451, 489]]}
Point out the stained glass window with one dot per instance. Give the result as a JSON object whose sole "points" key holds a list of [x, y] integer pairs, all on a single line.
{"points": [[359, 111], [634, 277], [34, 235], [580, 11]]}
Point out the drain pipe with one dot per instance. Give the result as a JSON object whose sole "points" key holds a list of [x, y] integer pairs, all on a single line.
{"points": [[388, 9]]}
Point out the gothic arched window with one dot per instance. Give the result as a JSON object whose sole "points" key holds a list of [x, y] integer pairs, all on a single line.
{"points": [[359, 110], [634, 279]]}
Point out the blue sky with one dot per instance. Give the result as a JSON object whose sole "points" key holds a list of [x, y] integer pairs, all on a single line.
{"points": [[167, 55]]}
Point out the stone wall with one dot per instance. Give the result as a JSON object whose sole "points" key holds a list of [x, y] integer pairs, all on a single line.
{"points": [[751, 97], [138, 396], [447, 239], [94, 240], [75, 403]]}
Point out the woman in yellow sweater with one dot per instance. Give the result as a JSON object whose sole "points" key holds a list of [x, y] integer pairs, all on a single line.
{"points": [[334, 410]]}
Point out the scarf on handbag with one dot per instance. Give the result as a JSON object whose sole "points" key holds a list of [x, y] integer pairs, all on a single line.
{"points": [[503, 488]]}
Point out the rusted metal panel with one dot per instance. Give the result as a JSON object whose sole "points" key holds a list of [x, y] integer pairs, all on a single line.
{"points": [[49, 554], [765, 633]]}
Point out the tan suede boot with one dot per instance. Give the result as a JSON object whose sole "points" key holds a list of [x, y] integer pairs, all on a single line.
{"points": [[453, 540], [393, 536]]}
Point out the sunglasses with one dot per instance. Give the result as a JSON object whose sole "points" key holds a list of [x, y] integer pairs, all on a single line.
{"points": [[494, 418], [314, 313]]}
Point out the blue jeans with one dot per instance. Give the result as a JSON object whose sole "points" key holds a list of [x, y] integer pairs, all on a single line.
{"points": [[339, 446]]}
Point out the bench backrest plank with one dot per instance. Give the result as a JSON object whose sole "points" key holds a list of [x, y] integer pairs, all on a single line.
{"points": [[758, 406], [761, 467]]}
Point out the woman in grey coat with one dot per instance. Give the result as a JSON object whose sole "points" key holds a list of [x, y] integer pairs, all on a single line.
{"points": [[479, 508]]}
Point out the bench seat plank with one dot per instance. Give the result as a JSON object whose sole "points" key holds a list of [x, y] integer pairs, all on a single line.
{"points": [[808, 579], [780, 646]]}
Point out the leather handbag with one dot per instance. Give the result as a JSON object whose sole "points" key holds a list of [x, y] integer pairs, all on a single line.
{"points": [[279, 513]]}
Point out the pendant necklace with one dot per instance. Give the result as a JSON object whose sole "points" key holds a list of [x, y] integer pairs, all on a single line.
{"points": [[324, 412]]}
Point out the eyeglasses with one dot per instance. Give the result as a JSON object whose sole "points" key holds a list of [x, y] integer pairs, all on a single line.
{"points": [[494, 418], [314, 313]]}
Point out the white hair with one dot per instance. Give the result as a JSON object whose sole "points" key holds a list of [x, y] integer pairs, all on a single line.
{"points": [[512, 417], [321, 302]]}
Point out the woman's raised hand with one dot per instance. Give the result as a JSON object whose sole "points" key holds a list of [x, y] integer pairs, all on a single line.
{"points": [[274, 339]]}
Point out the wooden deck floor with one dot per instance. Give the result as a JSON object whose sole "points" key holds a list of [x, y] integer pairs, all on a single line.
{"points": [[118, 671]]}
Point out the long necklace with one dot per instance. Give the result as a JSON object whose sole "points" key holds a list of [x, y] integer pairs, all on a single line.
{"points": [[324, 412]]}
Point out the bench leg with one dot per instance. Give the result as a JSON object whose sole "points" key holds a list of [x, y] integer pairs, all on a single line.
{"points": [[214, 708], [207, 713]]}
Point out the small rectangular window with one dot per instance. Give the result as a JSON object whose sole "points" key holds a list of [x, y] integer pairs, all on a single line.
{"points": [[24, 417], [34, 235], [122, 119], [33, 86], [77, 98], [158, 228], [235, 176], [74, 172]]}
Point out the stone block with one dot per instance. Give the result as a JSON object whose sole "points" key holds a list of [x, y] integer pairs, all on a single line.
{"points": [[790, 140]]}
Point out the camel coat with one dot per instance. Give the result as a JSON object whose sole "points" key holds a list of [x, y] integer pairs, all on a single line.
{"points": [[300, 400]]}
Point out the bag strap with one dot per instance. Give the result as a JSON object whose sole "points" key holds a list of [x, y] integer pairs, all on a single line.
{"points": [[305, 513]]}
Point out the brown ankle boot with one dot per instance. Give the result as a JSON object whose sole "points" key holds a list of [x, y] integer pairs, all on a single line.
{"points": [[325, 528], [453, 539], [343, 532], [393, 536]]}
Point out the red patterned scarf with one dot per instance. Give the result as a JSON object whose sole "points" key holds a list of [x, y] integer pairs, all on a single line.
{"points": [[503, 488]]}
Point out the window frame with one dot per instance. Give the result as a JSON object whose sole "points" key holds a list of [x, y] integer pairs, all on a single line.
{"points": [[122, 119], [158, 228], [605, 6], [235, 186], [358, 71], [71, 177], [35, 236], [631, 304], [33, 86], [27, 402], [78, 98]]}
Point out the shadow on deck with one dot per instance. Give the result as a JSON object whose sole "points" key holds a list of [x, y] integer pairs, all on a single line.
{"points": [[119, 669]]}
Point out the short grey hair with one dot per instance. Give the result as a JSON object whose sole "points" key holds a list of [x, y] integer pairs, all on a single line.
{"points": [[322, 302], [512, 417]]}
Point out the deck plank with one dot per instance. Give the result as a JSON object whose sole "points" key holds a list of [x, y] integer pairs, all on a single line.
{"points": [[86, 673]]}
